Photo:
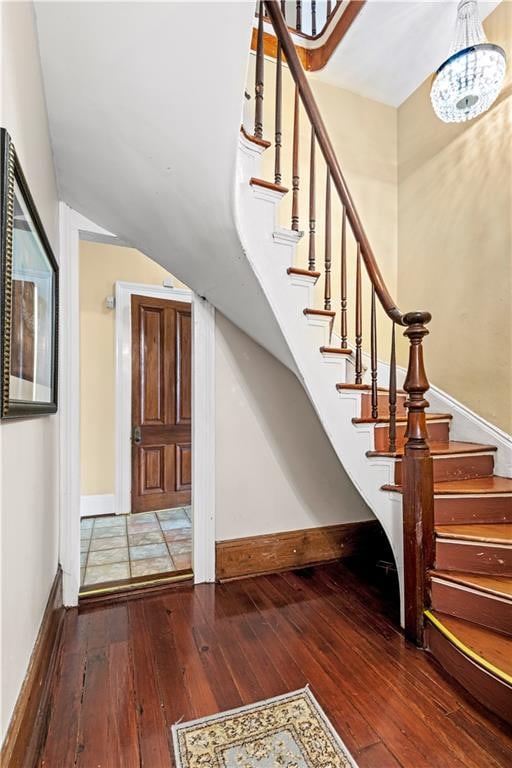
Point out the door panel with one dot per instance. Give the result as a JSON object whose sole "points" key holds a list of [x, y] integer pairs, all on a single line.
{"points": [[161, 403], [183, 466]]}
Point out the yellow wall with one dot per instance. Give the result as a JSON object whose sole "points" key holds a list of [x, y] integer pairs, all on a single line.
{"points": [[455, 240], [100, 267]]}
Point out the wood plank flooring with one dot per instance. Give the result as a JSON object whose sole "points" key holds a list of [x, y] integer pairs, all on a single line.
{"points": [[130, 670]]}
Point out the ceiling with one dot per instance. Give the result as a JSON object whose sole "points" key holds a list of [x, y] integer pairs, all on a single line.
{"points": [[392, 47]]}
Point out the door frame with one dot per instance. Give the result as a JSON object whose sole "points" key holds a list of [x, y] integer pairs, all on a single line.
{"points": [[74, 227]]}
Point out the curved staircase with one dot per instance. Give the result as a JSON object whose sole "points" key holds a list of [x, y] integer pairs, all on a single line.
{"points": [[462, 562]]}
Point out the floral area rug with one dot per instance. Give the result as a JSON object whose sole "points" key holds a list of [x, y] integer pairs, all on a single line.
{"points": [[290, 731]]}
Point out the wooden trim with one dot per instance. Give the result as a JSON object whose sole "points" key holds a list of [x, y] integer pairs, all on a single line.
{"points": [[317, 58], [275, 552], [314, 58], [268, 185], [143, 586], [27, 728]]}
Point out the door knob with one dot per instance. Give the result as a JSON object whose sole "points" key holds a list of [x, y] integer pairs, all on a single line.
{"points": [[137, 435]]}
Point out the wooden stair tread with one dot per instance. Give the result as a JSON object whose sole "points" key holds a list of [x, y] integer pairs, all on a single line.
{"points": [[501, 586], [336, 350], [491, 484], [324, 312], [471, 486], [442, 449], [401, 419], [496, 533], [250, 137], [254, 182], [303, 272], [365, 388], [493, 647]]}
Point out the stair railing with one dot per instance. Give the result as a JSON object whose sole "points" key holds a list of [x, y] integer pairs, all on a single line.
{"points": [[417, 465]]}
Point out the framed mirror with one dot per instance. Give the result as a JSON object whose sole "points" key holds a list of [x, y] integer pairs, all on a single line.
{"points": [[28, 298]]}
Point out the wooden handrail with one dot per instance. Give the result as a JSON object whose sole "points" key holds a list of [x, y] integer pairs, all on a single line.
{"points": [[324, 142], [417, 464]]}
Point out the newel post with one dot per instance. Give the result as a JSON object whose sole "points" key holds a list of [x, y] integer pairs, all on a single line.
{"points": [[418, 484]]}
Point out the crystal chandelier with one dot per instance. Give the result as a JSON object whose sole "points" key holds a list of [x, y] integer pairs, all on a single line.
{"points": [[469, 81]]}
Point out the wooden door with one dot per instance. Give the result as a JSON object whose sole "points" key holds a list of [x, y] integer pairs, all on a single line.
{"points": [[161, 404]]}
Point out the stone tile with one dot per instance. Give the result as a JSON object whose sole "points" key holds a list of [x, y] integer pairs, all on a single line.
{"points": [[139, 518], [151, 565], [109, 521], [142, 527], [169, 525], [170, 514], [146, 537], [109, 542], [182, 562], [111, 572], [180, 548], [148, 550], [104, 556], [112, 530], [178, 534], [83, 559], [84, 544]]}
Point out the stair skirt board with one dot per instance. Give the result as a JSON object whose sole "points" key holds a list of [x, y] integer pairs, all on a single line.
{"points": [[488, 684], [471, 604], [473, 556]]}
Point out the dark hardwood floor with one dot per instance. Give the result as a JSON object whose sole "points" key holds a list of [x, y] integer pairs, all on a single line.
{"points": [[130, 670]]}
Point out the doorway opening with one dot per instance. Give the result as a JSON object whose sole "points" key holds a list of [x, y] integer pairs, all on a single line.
{"points": [[136, 421]]}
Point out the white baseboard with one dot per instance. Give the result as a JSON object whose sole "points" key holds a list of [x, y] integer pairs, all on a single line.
{"points": [[98, 504]]}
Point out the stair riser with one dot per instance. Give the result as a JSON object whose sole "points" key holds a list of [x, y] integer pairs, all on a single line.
{"points": [[493, 693], [474, 558], [383, 405], [456, 467], [471, 509], [439, 432], [478, 607]]}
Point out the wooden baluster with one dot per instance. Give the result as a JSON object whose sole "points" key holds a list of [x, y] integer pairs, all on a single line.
{"points": [[295, 164], [298, 16], [344, 334], [313, 17], [258, 87], [327, 284], [312, 207], [359, 321], [392, 393], [417, 484], [278, 132], [373, 344]]}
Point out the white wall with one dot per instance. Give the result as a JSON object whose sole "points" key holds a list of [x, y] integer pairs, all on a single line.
{"points": [[28, 448], [275, 468]]}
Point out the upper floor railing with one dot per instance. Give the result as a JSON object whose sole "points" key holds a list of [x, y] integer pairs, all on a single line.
{"points": [[417, 470]]}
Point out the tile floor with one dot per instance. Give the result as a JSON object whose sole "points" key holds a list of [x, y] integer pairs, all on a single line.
{"points": [[127, 546]]}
